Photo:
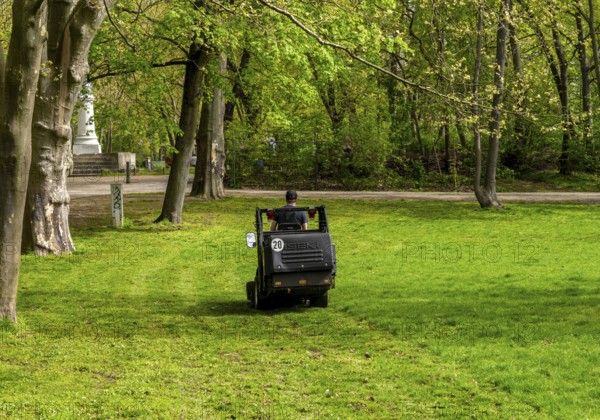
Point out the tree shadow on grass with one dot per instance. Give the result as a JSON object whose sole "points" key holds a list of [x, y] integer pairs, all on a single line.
{"points": [[216, 308], [509, 313], [96, 316]]}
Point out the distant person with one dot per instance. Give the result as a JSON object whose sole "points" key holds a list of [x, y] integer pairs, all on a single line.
{"points": [[290, 217]]}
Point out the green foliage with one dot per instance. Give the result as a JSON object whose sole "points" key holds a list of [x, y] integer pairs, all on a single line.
{"points": [[294, 90]]}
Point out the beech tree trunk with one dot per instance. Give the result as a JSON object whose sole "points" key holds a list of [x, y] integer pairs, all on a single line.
{"points": [[416, 124], [237, 73], [475, 107], [210, 141], [486, 194], [189, 122], [461, 136], [447, 164], [336, 108], [72, 26], [594, 37], [245, 96], [560, 77], [20, 76], [586, 84], [562, 82], [520, 139]]}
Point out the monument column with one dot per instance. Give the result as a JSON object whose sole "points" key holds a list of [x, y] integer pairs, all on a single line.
{"points": [[86, 140]]}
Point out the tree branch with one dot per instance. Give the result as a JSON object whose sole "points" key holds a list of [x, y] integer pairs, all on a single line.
{"points": [[358, 58], [116, 27], [123, 72]]}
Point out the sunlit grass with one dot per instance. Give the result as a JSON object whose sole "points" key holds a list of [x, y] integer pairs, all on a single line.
{"points": [[440, 310]]}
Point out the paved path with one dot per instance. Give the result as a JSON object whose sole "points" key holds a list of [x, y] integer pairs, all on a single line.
{"points": [[93, 186]]}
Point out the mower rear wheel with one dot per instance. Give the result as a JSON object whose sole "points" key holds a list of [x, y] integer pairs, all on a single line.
{"points": [[250, 293], [258, 301], [320, 301]]}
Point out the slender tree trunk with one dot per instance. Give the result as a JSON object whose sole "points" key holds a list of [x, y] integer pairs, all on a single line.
{"points": [[446, 128], [461, 136], [520, 140], [327, 93], [486, 195], [560, 76], [586, 85], [594, 37], [72, 26], [563, 92], [109, 138], [238, 86], [210, 141], [188, 123], [475, 108], [416, 123], [250, 110], [16, 113]]}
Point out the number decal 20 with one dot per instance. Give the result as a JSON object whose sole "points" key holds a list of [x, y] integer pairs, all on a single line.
{"points": [[277, 244]]}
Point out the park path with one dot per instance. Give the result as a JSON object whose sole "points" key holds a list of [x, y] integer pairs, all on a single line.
{"points": [[95, 186]]}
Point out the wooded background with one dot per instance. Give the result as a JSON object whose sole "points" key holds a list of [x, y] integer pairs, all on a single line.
{"points": [[298, 112], [348, 94]]}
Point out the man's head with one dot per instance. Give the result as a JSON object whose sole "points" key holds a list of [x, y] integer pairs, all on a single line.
{"points": [[291, 196]]}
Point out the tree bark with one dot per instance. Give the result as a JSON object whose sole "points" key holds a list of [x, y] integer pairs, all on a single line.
{"points": [[520, 140], [72, 26], [189, 122], [594, 37], [563, 91], [416, 124], [210, 141], [245, 100], [21, 73], [475, 107], [560, 77], [238, 87], [461, 136], [327, 93], [586, 84], [447, 164], [486, 195]]}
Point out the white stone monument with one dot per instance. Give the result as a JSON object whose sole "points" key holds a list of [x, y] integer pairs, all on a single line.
{"points": [[86, 140]]}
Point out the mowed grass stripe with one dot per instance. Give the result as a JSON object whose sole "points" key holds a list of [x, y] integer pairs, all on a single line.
{"points": [[166, 331], [533, 298]]}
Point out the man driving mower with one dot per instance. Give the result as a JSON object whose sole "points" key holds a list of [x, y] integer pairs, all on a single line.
{"points": [[290, 219]]}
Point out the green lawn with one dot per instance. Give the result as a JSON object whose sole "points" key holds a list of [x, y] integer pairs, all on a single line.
{"points": [[441, 310]]}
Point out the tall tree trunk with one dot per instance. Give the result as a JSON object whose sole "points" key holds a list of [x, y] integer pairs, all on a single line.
{"points": [[210, 141], [520, 140], [563, 92], [594, 37], [446, 128], [416, 123], [237, 88], [486, 195], [586, 84], [244, 99], [475, 108], [461, 136], [188, 124], [22, 68], [331, 102], [399, 105], [109, 138], [72, 26]]}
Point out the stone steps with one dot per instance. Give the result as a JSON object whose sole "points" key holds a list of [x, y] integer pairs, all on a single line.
{"points": [[95, 164]]}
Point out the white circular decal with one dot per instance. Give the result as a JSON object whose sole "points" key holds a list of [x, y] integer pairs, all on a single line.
{"points": [[277, 244]]}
